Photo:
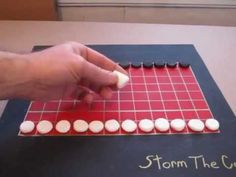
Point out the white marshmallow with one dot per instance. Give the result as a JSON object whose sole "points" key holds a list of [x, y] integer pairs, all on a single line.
{"points": [[129, 126], [96, 126], [27, 126], [112, 125], [122, 79], [196, 125], [162, 124], [146, 125], [63, 126], [44, 126], [178, 125], [212, 124], [80, 126]]}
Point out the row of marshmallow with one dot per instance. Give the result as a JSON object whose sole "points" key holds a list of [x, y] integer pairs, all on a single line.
{"points": [[112, 125]]}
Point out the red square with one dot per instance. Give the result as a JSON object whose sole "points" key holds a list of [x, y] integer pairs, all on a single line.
{"points": [[81, 106], [156, 105], [171, 105], [173, 115], [51, 106], [173, 72], [111, 106], [74, 115], [36, 106], [148, 72], [152, 87], [168, 96], [189, 79], [196, 95], [98, 105], [66, 105], [126, 88], [161, 72], [112, 115], [33, 116], [135, 72], [127, 115], [143, 115], [150, 79], [192, 87], [176, 79], [140, 95], [163, 80], [166, 87], [186, 71], [95, 116], [126, 105], [182, 95], [154, 96], [186, 105], [179, 87], [114, 96], [49, 116], [78, 115], [137, 79], [200, 104], [204, 114], [126, 96], [141, 105], [158, 114], [190, 114], [139, 87], [65, 115]]}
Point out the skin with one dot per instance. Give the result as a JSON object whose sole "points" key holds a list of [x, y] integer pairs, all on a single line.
{"points": [[69, 70]]}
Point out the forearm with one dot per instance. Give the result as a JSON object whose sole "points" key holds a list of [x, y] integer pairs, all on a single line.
{"points": [[15, 75]]}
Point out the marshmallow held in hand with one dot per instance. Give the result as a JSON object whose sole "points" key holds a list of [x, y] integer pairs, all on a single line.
{"points": [[122, 79]]}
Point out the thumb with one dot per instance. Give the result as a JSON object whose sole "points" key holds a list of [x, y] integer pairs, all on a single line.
{"points": [[95, 77]]}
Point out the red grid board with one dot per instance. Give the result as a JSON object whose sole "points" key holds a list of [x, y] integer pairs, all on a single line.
{"points": [[151, 93]]}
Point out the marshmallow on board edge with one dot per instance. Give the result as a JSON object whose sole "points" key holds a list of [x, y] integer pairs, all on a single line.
{"points": [[122, 79]]}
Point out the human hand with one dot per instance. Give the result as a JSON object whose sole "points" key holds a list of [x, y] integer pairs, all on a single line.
{"points": [[70, 70]]}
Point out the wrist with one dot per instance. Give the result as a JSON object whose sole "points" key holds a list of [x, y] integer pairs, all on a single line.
{"points": [[16, 78]]}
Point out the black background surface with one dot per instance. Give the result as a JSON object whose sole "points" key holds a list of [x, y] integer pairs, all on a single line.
{"points": [[121, 156]]}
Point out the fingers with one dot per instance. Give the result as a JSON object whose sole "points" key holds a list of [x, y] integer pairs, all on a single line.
{"points": [[102, 61], [88, 97], [95, 77], [95, 72], [106, 92], [97, 58], [83, 94]]}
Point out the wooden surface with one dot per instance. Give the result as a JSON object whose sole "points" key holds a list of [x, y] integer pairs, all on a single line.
{"points": [[28, 10], [216, 45]]}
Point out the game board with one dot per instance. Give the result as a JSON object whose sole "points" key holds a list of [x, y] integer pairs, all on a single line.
{"points": [[128, 156], [169, 91]]}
